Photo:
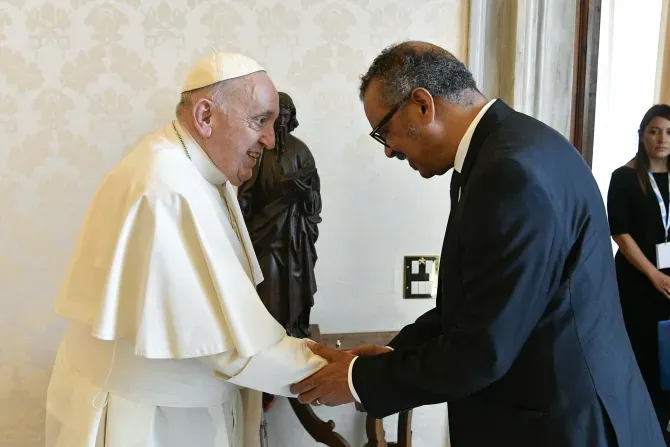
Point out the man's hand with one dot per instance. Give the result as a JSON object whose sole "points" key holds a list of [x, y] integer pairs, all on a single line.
{"points": [[330, 385], [369, 350]]}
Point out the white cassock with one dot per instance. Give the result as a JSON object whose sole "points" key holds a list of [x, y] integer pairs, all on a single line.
{"points": [[160, 295]]}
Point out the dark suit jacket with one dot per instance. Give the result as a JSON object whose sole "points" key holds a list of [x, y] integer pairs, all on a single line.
{"points": [[527, 342]]}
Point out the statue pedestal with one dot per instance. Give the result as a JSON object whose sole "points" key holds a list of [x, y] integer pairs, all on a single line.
{"points": [[324, 432]]}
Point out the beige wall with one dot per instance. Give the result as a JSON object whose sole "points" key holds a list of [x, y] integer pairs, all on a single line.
{"points": [[81, 81]]}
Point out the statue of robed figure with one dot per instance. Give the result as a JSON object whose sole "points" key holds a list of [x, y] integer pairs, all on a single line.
{"points": [[281, 205]]}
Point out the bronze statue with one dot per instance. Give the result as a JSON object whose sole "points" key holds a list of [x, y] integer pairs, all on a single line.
{"points": [[281, 204]]}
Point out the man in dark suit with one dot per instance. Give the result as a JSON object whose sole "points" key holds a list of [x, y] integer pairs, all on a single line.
{"points": [[527, 343]]}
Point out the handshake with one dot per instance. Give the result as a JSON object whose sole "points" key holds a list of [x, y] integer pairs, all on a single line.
{"points": [[330, 385]]}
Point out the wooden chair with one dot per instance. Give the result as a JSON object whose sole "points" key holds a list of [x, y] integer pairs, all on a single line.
{"points": [[324, 432]]}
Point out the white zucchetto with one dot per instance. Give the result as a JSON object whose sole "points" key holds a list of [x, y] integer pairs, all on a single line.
{"points": [[218, 67]]}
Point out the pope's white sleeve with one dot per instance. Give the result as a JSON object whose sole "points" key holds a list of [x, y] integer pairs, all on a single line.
{"points": [[272, 370]]}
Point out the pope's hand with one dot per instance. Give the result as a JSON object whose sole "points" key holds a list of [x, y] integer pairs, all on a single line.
{"points": [[369, 350], [330, 385]]}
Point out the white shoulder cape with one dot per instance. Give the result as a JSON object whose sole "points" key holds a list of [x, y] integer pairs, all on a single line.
{"points": [[158, 261]]}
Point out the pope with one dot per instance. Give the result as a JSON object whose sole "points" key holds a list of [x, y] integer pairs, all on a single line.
{"points": [[168, 343]]}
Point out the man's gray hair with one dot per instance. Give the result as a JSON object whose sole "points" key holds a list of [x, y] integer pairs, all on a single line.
{"points": [[217, 93], [406, 66]]}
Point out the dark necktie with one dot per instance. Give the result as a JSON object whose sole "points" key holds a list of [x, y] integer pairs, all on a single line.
{"points": [[456, 183], [455, 188]]}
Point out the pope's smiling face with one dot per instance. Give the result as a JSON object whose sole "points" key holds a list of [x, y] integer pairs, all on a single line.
{"points": [[233, 122], [243, 126]]}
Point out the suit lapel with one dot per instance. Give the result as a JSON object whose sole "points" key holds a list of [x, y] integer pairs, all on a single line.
{"points": [[495, 115], [450, 268]]}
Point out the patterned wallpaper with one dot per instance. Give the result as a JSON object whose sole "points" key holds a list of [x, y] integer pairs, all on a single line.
{"points": [[82, 80]]}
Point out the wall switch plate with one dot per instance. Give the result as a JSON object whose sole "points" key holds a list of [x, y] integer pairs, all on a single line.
{"points": [[420, 276]]}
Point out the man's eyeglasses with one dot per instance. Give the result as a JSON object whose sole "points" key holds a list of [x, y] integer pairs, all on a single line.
{"points": [[376, 132]]}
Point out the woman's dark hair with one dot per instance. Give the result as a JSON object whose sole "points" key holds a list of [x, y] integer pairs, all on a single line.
{"points": [[641, 158]]}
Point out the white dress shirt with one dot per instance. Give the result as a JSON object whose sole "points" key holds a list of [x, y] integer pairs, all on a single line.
{"points": [[461, 153]]}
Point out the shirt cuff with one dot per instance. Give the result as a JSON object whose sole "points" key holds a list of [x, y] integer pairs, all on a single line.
{"points": [[351, 382]]}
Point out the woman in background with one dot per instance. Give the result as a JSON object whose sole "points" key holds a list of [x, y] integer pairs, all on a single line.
{"points": [[637, 206]]}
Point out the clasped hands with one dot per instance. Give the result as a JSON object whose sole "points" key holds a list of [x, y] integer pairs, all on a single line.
{"points": [[330, 385]]}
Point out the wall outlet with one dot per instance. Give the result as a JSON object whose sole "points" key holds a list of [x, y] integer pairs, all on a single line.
{"points": [[420, 276]]}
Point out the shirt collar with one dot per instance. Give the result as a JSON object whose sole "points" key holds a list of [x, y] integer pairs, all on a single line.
{"points": [[200, 159], [464, 145]]}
